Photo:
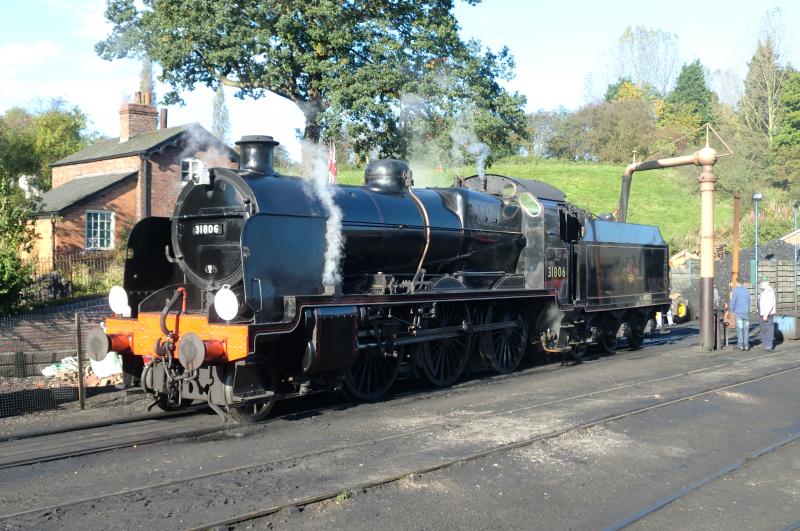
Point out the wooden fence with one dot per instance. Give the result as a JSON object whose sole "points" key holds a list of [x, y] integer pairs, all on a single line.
{"points": [[685, 279], [781, 275]]}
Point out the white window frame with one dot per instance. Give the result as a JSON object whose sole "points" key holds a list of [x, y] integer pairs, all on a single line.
{"points": [[192, 169], [87, 228]]}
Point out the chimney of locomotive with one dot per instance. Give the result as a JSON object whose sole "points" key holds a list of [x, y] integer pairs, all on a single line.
{"points": [[256, 153]]}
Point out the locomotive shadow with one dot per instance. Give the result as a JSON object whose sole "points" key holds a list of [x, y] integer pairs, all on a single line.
{"points": [[24, 401], [410, 386]]}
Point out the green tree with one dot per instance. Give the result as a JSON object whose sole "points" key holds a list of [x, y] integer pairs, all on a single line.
{"points": [[15, 209], [760, 105], [691, 102], [789, 131], [451, 108], [220, 120], [29, 143], [354, 58], [57, 131]]}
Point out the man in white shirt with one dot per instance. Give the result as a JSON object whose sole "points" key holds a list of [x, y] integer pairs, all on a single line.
{"points": [[766, 309]]}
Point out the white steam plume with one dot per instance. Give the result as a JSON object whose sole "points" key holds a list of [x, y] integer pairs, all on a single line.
{"points": [[481, 151], [464, 138], [324, 192], [199, 144]]}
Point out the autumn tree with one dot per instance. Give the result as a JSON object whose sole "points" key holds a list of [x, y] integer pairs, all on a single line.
{"points": [[648, 56], [355, 59]]}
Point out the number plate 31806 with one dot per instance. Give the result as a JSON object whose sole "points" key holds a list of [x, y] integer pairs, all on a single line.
{"points": [[202, 229]]}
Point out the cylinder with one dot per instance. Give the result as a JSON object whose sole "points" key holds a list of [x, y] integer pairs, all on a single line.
{"points": [[193, 351]]}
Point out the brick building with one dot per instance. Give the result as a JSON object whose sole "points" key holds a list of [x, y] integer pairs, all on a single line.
{"points": [[101, 191]]}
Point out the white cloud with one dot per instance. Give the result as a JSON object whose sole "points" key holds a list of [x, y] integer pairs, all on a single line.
{"points": [[93, 25], [28, 53]]}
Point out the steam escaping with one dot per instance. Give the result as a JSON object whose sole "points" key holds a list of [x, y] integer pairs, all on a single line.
{"points": [[198, 144], [464, 139], [481, 151], [317, 156]]}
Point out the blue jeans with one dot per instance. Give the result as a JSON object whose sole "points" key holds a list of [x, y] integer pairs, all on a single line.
{"points": [[742, 331], [767, 332]]}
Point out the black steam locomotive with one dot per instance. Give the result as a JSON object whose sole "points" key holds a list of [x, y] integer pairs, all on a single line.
{"points": [[234, 301]]}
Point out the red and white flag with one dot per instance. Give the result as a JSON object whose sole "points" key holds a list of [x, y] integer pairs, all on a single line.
{"points": [[331, 162]]}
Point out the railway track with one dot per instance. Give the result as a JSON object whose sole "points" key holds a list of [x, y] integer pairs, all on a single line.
{"points": [[302, 502], [388, 478], [90, 438]]}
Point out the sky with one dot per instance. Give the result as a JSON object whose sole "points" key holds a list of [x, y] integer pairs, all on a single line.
{"points": [[563, 51]]}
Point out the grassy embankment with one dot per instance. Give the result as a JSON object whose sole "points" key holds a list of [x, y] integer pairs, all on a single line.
{"points": [[668, 198]]}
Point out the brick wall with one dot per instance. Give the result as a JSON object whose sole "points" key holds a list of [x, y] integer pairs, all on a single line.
{"points": [[165, 175], [165, 185], [42, 245], [63, 174], [71, 229]]}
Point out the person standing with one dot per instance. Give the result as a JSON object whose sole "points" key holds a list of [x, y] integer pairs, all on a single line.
{"points": [[740, 308], [766, 309]]}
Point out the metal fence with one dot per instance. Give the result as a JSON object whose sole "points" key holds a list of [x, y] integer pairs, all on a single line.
{"points": [[72, 277], [42, 366]]}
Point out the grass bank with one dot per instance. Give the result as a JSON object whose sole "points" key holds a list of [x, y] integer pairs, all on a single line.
{"points": [[668, 198]]}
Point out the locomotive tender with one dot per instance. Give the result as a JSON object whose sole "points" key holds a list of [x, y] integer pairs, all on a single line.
{"points": [[225, 301]]}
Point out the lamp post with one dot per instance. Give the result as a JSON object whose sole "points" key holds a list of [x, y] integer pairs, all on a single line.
{"points": [[794, 279], [757, 197]]}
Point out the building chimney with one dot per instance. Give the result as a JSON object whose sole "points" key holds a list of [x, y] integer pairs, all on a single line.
{"points": [[163, 118], [137, 117]]}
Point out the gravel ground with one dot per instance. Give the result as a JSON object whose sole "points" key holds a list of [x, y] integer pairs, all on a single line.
{"points": [[585, 478], [59, 408]]}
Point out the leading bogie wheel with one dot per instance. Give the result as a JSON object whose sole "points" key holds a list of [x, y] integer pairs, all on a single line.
{"points": [[372, 375], [256, 410], [441, 363], [503, 348]]}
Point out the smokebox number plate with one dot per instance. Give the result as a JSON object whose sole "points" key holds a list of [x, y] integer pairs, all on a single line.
{"points": [[213, 229]]}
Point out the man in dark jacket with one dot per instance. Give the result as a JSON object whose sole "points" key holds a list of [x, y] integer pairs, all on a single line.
{"points": [[740, 307]]}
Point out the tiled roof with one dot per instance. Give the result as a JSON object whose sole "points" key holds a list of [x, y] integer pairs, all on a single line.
{"points": [[78, 189], [112, 148]]}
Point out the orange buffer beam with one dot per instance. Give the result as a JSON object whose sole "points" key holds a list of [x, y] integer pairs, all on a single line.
{"points": [[146, 330]]}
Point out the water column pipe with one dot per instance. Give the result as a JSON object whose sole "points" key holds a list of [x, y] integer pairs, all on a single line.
{"points": [[794, 279], [705, 158], [757, 197]]}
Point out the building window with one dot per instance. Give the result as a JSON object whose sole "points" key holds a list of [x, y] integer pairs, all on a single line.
{"points": [[189, 169], [99, 229]]}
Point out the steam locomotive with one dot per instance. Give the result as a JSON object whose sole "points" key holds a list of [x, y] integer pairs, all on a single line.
{"points": [[233, 301]]}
